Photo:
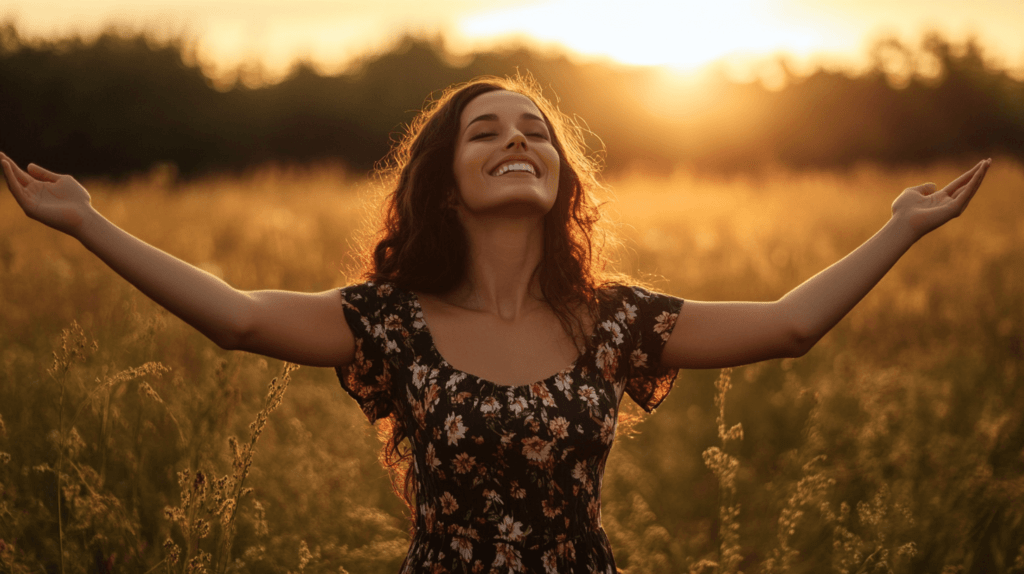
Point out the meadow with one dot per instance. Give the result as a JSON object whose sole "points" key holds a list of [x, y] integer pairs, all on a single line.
{"points": [[130, 443]]}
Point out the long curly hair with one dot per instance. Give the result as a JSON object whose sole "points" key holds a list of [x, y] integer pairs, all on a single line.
{"points": [[421, 245]]}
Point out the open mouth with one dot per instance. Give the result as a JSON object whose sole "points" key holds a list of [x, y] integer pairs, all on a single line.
{"points": [[517, 166]]}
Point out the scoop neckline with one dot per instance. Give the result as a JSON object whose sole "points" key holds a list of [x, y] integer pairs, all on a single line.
{"points": [[444, 362]]}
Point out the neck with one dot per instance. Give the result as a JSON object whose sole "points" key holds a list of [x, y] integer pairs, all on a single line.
{"points": [[504, 254]]}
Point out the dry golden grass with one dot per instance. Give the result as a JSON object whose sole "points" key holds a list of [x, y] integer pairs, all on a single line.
{"points": [[896, 444]]}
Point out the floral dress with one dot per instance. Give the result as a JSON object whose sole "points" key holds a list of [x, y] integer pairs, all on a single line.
{"points": [[507, 478]]}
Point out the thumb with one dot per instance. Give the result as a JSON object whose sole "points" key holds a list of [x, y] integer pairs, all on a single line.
{"points": [[41, 173], [927, 188]]}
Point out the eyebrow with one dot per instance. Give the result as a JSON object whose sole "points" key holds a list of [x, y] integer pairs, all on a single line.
{"points": [[494, 118]]}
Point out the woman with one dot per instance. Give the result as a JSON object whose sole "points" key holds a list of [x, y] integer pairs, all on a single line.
{"points": [[486, 333]]}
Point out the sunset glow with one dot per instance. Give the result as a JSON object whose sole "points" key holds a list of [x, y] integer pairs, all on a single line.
{"points": [[271, 35], [650, 32]]}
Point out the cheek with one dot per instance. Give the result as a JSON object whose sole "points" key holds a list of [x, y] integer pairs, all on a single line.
{"points": [[468, 167], [554, 165]]}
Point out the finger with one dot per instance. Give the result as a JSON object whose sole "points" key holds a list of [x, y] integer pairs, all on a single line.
{"points": [[971, 186], [42, 173], [17, 190], [963, 195], [958, 182], [23, 178]]}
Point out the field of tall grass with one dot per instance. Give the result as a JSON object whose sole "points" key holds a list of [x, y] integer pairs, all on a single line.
{"points": [[129, 443]]}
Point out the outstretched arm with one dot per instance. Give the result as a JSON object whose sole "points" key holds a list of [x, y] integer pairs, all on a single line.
{"points": [[716, 335], [302, 328]]}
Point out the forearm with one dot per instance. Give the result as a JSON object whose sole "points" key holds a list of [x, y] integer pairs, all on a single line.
{"points": [[819, 303], [213, 307]]}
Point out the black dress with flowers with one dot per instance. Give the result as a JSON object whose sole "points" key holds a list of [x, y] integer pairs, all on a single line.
{"points": [[507, 478]]}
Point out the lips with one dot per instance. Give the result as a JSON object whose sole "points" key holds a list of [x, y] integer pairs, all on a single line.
{"points": [[518, 164]]}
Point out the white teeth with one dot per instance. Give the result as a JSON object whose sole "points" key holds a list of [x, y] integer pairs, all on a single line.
{"points": [[521, 166]]}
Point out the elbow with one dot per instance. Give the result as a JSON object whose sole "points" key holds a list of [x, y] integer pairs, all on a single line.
{"points": [[800, 342], [800, 337], [228, 339], [236, 329], [227, 342]]}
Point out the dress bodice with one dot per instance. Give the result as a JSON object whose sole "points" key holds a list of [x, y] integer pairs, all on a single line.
{"points": [[507, 478]]}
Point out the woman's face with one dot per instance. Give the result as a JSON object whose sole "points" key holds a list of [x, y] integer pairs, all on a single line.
{"points": [[505, 163]]}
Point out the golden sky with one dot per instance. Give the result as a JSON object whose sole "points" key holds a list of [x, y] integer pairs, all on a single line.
{"points": [[680, 33]]}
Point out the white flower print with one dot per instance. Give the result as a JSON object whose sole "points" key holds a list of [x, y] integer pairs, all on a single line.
{"points": [[419, 375], [563, 381], [393, 322], [454, 380], [638, 358], [582, 474], [429, 514], [456, 429], [537, 449], [510, 530], [543, 445], [608, 430], [506, 555], [579, 472], [615, 330], [549, 510], [464, 547], [627, 313], [493, 499], [559, 427], [540, 390], [516, 490], [588, 395], [518, 405], [431, 456], [665, 322], [607, 360], [432, 397], [550, 562], [490, 405]]}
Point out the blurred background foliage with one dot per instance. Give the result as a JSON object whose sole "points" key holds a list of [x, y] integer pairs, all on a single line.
{"points": [[120, 104]]}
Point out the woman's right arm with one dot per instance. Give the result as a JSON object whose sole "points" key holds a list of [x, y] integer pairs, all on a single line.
{"points": [[303, 328]]}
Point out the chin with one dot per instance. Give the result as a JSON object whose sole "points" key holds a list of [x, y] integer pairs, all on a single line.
{"points": [[518, 207]]}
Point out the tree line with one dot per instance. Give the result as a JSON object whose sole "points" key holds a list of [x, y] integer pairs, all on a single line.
{"points": [[120, 104]]}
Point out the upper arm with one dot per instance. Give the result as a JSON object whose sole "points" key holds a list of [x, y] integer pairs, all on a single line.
{"points": [[713, 335], [303, 328]]}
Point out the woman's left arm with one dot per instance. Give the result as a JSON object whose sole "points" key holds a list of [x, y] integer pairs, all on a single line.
{"points": [[724, 334]]}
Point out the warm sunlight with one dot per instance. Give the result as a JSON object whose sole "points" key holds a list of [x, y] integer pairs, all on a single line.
{"points": [[683, 34], [647, 32]]}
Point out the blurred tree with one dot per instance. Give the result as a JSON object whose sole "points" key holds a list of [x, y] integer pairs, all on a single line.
{"points": [[118, 105]]}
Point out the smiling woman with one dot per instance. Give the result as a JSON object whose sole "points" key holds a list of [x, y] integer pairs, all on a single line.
{"points": [[486, 333], [504, 159]]}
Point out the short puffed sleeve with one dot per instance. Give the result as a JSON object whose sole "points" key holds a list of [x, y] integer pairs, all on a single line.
{"points": [[367, 378], [650, 317]]}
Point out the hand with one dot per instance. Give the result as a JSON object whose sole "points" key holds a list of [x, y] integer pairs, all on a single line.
{"points": [[55, 200], [924, 209]]}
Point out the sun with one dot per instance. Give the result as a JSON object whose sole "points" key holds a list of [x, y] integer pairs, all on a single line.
{"points": [[680, 34]]}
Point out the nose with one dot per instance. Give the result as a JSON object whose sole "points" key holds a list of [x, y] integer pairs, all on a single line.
{"points": [[518, 139]]}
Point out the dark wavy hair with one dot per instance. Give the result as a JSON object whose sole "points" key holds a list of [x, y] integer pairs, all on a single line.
{"points": [[422, 246]]}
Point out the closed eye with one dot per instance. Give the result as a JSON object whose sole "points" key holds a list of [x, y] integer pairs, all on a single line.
{"points": [[483, 135], [538, 135]]}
